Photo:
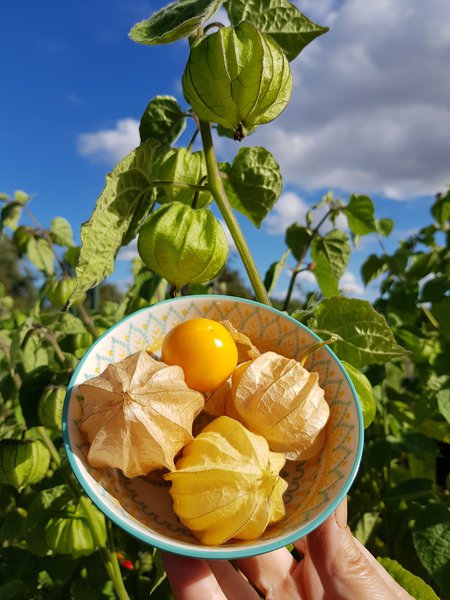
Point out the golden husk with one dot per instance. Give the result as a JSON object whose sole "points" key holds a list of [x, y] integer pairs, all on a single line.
{"points": [[277, 398], [245, 347], [138, 414], [227, 484]]}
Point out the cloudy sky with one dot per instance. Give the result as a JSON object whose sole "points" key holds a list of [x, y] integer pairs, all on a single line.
{"points": [[370, 111]]}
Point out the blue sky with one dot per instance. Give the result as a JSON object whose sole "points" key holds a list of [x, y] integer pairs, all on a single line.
{"points": [[370, 112]]}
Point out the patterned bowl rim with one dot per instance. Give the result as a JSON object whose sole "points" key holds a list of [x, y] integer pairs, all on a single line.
{"points": [[206, 552]]}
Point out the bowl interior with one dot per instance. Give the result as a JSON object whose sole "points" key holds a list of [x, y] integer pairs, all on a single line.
{"points": [[142, 505]]}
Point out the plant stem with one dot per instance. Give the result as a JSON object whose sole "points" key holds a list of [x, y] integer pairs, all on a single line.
{"points": [[216, 188], [107, 551]]}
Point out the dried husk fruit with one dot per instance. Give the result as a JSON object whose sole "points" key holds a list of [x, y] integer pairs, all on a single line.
{"points": [[138, 414], [183, 245], [227, 484], [237, 77], [182, 166], [278, 398], [245, 347]]}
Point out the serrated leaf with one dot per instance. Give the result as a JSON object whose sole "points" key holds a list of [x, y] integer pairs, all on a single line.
{"points": [[10, 215], [413, 584], [124, 203], [253, 183], [373, 267], [363, 336], [61, 232], [163, 120], [274, 272], [385, 226], [330, 255], [431, 537], [365, 393], [360, 213], [174, 22], [278, 18], [297, 239], [41, 255]]}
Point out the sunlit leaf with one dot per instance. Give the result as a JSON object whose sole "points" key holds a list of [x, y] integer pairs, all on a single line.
{"points": [[253, 183], [330, 255], [413, 584], [124, 203], [360, 213], [61, 232], [163, 120], [278, 18], [174, 22], [365, 393], [363, 336]]}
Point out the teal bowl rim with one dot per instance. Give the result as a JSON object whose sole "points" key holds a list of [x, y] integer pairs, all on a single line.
{"points": [[207, 552]]}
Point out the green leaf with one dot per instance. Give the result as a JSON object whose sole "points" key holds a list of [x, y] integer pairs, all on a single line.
{"points": [[414, 442], [385, 226], [278, 18], [34, 355], [61, 232], [363, 336], [124, 203], [435, 289], [163, 120], [431, 538], [253, 183], [12, 590], [360, 214], [41, 255], [443, 400], [440, 311], [416, 487], [330, 255], [63, 323], [365, 393], [10, 215], [274, 272], [297, 239], [43, 506], [441, 209], [413, 584], [373, 267], [174, 22]]}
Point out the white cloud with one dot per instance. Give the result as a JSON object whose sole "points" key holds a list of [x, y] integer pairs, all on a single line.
{"points": [[128, 253], [231, 243], [350, 285], [110, 145], [371, 106], [289, 209]]}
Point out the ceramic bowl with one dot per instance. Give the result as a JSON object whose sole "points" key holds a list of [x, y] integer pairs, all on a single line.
{"points": [[142, 506]]}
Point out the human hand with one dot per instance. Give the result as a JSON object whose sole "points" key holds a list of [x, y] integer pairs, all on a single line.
{"points": [[334, 566]]}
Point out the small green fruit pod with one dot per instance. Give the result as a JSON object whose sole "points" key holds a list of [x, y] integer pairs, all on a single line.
{"points": [[237, 77], [23, 462], [181, 166], [50, 406], [183, 245]]}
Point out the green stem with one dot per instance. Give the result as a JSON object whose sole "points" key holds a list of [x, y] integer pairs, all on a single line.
{"points": [[314, 348], [216, 188], [107, 552], [180, 184]]}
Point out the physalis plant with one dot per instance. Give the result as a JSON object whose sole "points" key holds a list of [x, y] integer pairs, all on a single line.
{"points": [[264, 409]]}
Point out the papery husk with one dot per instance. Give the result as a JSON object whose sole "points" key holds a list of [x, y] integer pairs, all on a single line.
{"points": [[138, 414], [246, 349], [227, 484], [279, 399]]}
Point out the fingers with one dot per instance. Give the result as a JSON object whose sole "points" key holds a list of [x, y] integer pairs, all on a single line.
{"points": [[272, 574], [191, 578], [344, 570], [233, 584]]}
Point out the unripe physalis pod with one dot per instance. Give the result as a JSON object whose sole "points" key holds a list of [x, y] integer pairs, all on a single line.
{"points": [[182, 166], [50, 406], [183, 245], [138, 414], [278, 398], [237, 77], [23, 462], [205, 351], [227, 484]]}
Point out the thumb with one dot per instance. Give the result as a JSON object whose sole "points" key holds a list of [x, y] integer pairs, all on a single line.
{"points": [[345, 568]]}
